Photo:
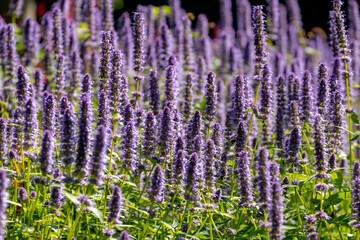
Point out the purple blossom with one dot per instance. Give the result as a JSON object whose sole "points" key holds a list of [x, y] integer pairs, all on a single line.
{"points": [[97, 160], [30, 124], [105, 61], [149, 135], [139, 42], [3, 141], [129, 144], [115, 205], [211, 97], [156, 185], [209, 166], [154, 96], [179, 172], [245, 186], [262, 179], [46, 157], [275, 218], [67, 135], [192, 179], [3, 202], [22, 195]]}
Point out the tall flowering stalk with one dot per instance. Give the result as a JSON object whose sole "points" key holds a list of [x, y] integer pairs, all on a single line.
{"points": [[262, 179], [97, 160], [3, 141], [211, 100], [46, 157], [275, 212], [245, 186], [30, 124], [3, 202], [67, 135], [105, 63]]}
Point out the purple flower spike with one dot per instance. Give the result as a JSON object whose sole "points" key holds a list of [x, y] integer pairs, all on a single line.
{"points": [[211, 97], [124, 236], [209, 167], [139, 42], [258, 25], [192, 179], [60, 76], [266, 103], [58, 32], [311, 227], [129, 144], [107, 22], [3, 202], [166, 134], [293, 146], [319, 149], [156, 185], [46, 157], [97, 160], [179, 172], [149, 135], [322, 90], [67, 135], [48, 109], [244, 174], [84, 137], [22, 195], [262, 179], [356, 203], [275, 218], [193, 130], [115, 206], [105, 61], [356, 171], [154, 96], [189, 61], [170, 87], [22, 87], [3, 141], [188, 96], [306, 100], [30, 123]]}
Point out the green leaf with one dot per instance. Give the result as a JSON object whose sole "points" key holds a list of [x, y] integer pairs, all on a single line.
{"points": [[355, 118], [71, 197], [334, 199], [165, 224], [14, 203], [355, 138]]}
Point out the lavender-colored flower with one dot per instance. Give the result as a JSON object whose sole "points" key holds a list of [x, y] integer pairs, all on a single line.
{"points": [[274, 172], [166, 134], [85, 201], [22, 87], [115, 205], [75, 71], [18, 129], [356, 170], [84, 137], [30, 123], [129, 145], [262, 179], [275, 218], [124, 236], [265, 103], [56, 196], [46, 157], [149, 135], [244, 174], [47, 62], [238, 99], [336, 119], [128, 115], [356, 203], [166, 45], [240, 140], [209, 166], [58, 33], [293, 146], [48, 110], [211, 97], [67, 135], [60, 76], [86, 84], [3, 202], [139, 42], [107, 22], [319, 148], [188, 96], [116, 83], [3, 141], [311, 227], [189, 61], [170, 87], [16, 7], [105, 61], [280, 114], [11, 61], [38, 82], [192, 179], [33, 194], [154, 96], [293, 111], [178, 172], [226, 20], [322, 89], [103, 110], [193, 130], [97, 160], [258, 25], [30, 40], [156, 185], [321, 187], [22, 195], [306, 98], [332, 161]]}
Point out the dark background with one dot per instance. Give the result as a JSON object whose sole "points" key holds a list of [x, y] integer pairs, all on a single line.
{"points": [[314, 12]]}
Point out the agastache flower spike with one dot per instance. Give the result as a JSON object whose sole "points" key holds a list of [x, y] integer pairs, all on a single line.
{"points": [[192, 179], [11, 61], [170, 85], [262, 179], [188, 97], [336, 119], [310, 227], [139, 42], [86, 84], [58, 32], [116, 83], [275, 218], [16, 7], [30, 124], [165, 134], [244, 174], [97, 160], [75, 69], [356, 203], [17, 134], [258, 25], [56, 195], [306, 98], [293, 114], [46, 157], [179, 172], [103, 111], [154, 96], [105, 64], [193, 130], [48, 109], [356, 171], [115, 205], [211, 97], [240, 143], [274, 172], [280, 114], [332, 161], [149, 135], [22, 195], [156, 185], [38, 82], [47, 62], [238, 99], [166, 46], [322, 90], [293, 146], [266, 103], [209, 167], [216, 136], [319, 149], [3, 202], [22, 87], [84, 137], [107, 22], [60, 76], [67, 135], [129, 145], [3, 141]]}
